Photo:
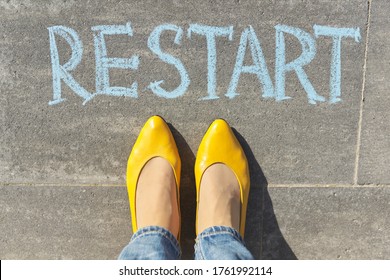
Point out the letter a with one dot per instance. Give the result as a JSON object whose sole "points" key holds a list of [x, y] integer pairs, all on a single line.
{"points": [[259, 67]]}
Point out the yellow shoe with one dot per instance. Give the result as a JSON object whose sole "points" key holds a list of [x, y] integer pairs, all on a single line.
{"points": [[154, 140], [219, 145]]}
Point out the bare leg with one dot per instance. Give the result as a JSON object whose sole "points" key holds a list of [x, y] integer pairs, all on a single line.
{"points": [[156, 198], [219, 201]]}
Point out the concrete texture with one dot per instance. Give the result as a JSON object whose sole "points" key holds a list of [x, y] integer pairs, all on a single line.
{"points": [[374, 165], [62, 167], [295, 141], [326, 223], [93, 223], [63, 222]]}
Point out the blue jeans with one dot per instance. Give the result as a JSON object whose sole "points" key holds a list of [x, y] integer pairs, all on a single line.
{"points": [[214, 243]]}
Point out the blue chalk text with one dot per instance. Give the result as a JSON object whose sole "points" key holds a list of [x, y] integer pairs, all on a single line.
{"points": [[63, 73]]}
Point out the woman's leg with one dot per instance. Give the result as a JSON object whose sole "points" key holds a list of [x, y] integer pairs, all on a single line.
{"points": [[218, 219], [157, 215]]}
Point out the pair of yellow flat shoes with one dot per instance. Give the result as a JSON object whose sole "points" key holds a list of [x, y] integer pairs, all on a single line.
{"points": [[219, 145]]}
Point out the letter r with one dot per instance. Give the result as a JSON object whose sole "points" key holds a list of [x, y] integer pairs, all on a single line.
{"points": [[62, 72]]}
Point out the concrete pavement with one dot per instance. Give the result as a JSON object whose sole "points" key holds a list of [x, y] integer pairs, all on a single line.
{"points": [[303, 83]]}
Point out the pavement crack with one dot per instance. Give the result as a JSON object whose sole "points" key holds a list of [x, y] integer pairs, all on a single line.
{"points": [[359, 132]]}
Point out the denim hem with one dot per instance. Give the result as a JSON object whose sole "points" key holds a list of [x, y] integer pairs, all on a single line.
{"points": [[217, 230], [221, 243], [160, 231]]}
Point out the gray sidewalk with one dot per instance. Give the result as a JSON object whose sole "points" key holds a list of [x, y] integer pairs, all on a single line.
{"points": [[320, 173]]}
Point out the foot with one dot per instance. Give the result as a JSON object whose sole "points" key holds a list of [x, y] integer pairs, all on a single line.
{"points": [[156, 198], [219, 198]]}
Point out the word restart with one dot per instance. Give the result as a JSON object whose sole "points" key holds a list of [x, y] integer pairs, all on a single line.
{"points": [[63, 73]]}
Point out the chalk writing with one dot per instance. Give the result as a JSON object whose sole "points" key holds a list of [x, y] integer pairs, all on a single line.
{"points": [[210, 32], [259, 67], [63, 73], [335, 73], [104, 63], [154, 46], [308, 53]]}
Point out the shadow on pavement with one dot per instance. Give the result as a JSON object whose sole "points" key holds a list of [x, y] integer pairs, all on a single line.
{"points": [[262, 234], [187, 196]]}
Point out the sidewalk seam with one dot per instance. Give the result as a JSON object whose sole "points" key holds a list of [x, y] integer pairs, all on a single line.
{"points": [[303, 185], [328, 186], [359, 132]]}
